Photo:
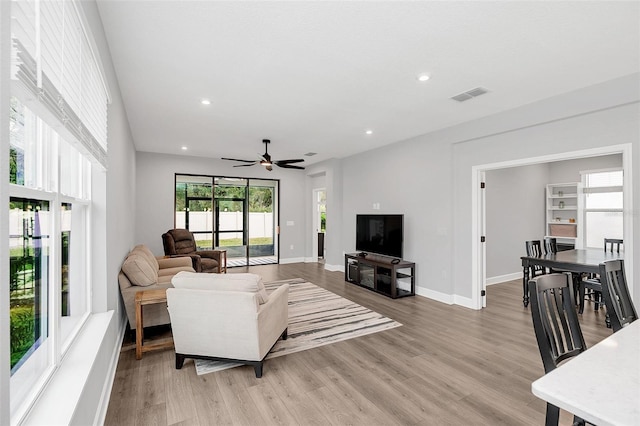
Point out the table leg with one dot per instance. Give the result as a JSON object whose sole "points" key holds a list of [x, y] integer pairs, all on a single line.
{"points": [[525, 284], [139, 330]]}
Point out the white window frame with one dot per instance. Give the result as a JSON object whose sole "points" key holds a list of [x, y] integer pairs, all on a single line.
{"points": [[610, 189]]}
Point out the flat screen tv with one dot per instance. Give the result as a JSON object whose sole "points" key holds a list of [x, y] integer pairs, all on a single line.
{"points": [[380, 234]]}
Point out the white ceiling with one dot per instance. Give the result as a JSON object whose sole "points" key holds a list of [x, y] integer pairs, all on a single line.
{"points": [[313, 76]]}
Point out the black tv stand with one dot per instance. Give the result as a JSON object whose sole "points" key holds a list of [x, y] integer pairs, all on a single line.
{"points": [[385, 275]]}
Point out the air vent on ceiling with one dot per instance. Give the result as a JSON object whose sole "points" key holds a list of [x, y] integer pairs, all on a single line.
{"points": [[310, 154], [469, 94]]}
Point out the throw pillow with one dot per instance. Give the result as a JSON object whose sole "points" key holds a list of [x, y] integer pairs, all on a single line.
{"points": [[144, 250], [222, 282], [137, 268]]}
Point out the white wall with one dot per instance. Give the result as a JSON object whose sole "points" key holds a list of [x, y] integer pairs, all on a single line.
{"points": [[515, 207], [155, 182], [412, 178], [569, 170], [333, 183]]}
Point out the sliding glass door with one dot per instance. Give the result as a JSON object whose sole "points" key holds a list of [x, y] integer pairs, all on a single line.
{"points": [[262, 221], [238, 215], [230, 232]]}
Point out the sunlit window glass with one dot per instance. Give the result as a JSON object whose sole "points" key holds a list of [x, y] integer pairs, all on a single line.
{"points": [[29, 254]]}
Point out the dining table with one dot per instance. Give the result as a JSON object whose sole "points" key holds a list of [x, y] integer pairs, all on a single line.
{"points": [[577, 261], [602, 384]]}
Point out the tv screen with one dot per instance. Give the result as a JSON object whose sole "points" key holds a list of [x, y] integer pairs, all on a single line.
{"points": [[379, 234]]}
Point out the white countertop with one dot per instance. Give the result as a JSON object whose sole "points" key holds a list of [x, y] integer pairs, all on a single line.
{"points": [[601, 385]]}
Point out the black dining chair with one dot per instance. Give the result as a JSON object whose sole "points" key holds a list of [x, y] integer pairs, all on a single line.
{"points": [[534, 249], [556, 327], [613, 243], [617, 299], [592, 287], [550, 245]]}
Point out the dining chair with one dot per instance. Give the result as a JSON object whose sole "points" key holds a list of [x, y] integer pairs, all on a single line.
{"points": [[534, 249], [550, 245], [613, 243], [556, 327], [592, 286], [617, 299]]}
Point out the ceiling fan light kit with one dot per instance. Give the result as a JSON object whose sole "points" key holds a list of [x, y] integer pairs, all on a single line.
{"points": [[266, 160]]}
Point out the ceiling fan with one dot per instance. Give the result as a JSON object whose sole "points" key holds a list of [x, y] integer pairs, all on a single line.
{"points": [[266, 160]]}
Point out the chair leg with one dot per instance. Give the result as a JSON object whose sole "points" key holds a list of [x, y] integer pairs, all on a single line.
{"points": [[258, 369], [179, 361], [581, 302], [553, 415], [577, 421]]}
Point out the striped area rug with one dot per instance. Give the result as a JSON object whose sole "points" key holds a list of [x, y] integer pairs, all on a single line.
{"points": [[317, 317]]}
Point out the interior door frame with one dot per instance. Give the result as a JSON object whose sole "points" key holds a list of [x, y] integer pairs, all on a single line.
{"points": [[478, 222], [315, 223]]}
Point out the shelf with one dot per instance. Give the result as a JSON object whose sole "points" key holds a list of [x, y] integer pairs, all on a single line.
{"points": [[571, 208], [560, 238], [556, 196]]}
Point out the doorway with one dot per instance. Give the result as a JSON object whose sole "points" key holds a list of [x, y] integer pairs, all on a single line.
{"points": [[479, 279], [319, 223]]}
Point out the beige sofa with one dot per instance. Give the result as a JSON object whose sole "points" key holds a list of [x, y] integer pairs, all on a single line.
{"points": [[141, 270], [226, 317]]}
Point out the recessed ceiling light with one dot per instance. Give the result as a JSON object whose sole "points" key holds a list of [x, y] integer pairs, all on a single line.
{"points": [[205, 102], [369, 132], [184, 148], [423, 77]]}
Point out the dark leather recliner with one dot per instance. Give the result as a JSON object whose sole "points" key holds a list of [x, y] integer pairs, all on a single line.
{"points": [[181, 242]]}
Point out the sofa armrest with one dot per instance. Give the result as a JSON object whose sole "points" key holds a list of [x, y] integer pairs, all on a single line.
{"points": [[273, 318], [173, 262]]}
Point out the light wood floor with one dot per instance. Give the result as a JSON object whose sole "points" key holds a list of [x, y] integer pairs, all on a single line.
{"points": [[445, 365]]}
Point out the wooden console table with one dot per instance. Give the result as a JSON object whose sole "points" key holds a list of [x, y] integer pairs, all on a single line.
{"points": [[391, 277], [148, 297]]}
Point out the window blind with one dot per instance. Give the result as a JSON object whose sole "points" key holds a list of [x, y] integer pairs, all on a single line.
{"points": [[53, 59]]}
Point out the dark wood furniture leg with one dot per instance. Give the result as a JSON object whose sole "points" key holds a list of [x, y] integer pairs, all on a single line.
{"points": [[525, 283]]}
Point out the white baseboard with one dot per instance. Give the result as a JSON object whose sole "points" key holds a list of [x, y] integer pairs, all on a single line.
{"points": [[292, 260], [449, 299], [502, 278], [334, 268]]}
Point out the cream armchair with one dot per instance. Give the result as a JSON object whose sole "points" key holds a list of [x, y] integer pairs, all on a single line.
{"points": [[226, 317]]}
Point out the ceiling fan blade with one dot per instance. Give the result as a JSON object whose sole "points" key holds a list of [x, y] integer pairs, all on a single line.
{"points": [[281, 162], [235, 159], [245, 165], [288, 166]]}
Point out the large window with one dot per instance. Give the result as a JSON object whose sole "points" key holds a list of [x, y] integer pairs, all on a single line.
{"points": [[603, 204], [57, 134], [49, 183]]}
